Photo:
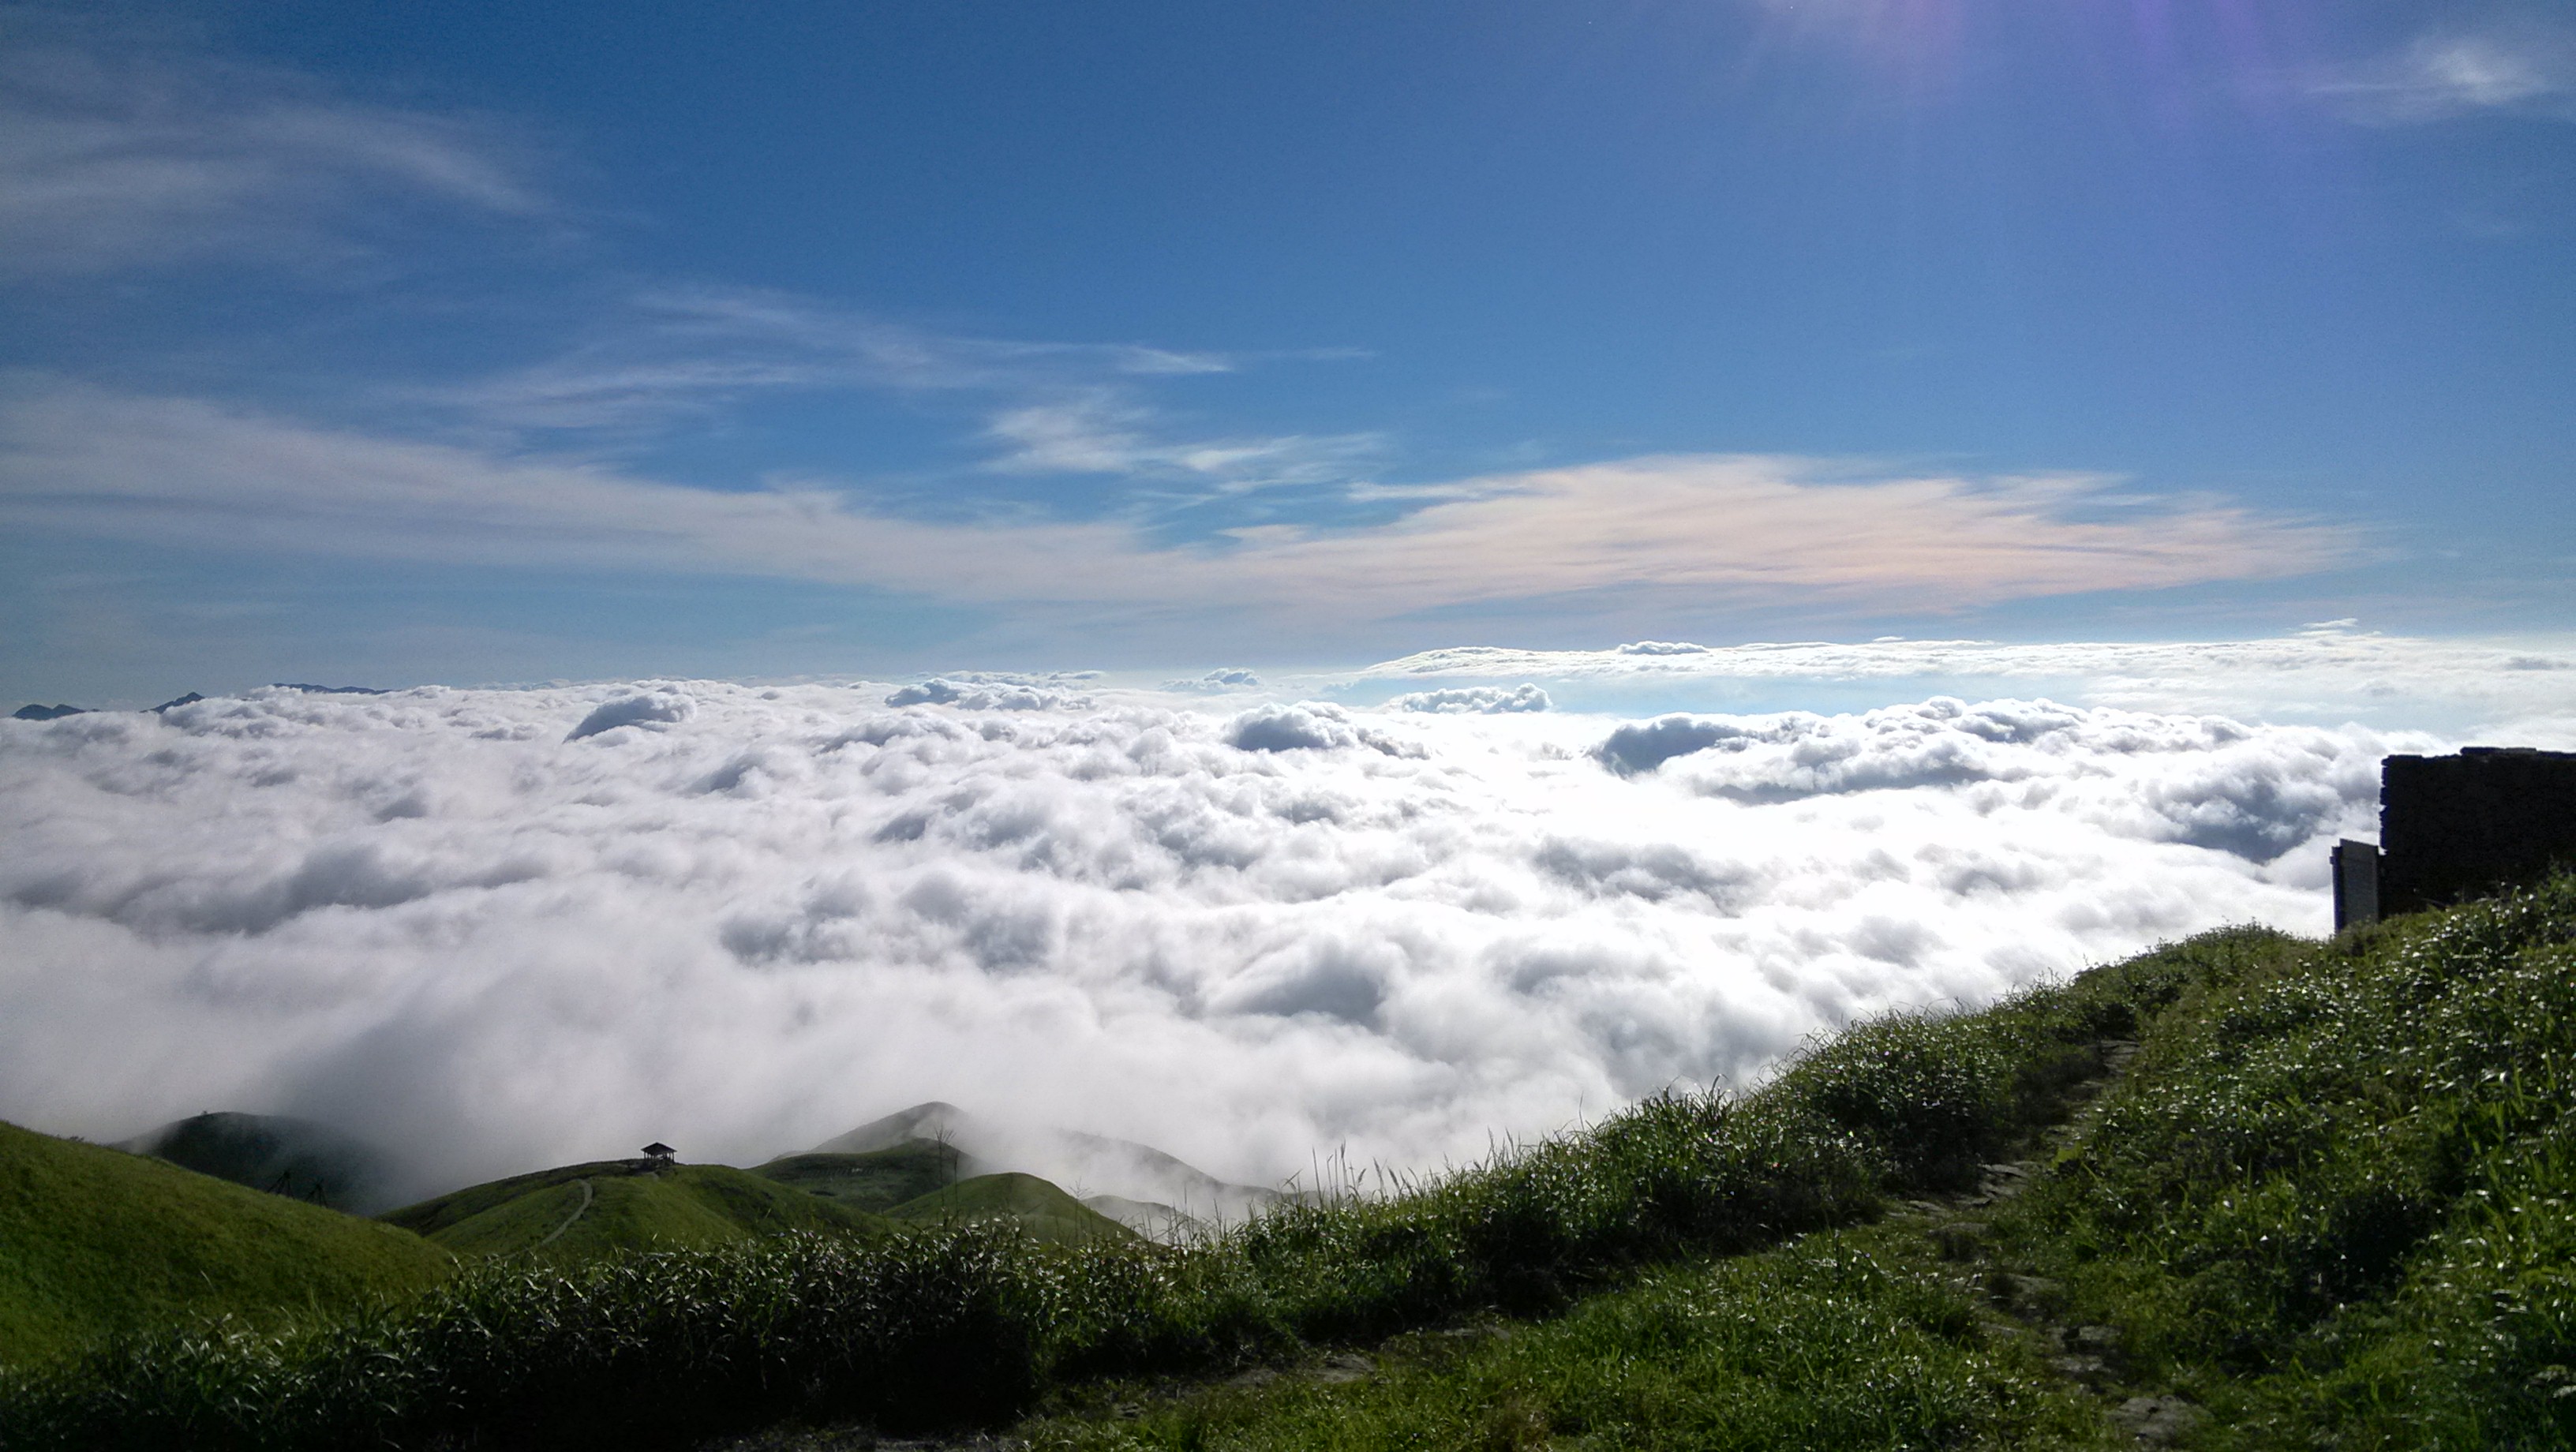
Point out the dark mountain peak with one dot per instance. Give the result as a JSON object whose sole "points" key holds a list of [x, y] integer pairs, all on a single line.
{"points": [[46, 713], [302, 1159]]}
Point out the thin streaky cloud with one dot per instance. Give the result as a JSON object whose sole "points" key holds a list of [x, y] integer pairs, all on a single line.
{"points": [[121, 151], [2522, 66], [88, 462], [675, 356], [1101, 432]]}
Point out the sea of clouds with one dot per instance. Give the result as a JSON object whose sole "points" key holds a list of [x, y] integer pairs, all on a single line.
{"points": [[497, 929]]}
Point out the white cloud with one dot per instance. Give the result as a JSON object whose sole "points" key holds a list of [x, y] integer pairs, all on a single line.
{"points": [[783, 911], [2324, 672], [2521, 65], [674, 353], [1473, 700], [645, 710], [1218, 682], [987, 696], [1101, 431], [1703, 529], [121, 149]]}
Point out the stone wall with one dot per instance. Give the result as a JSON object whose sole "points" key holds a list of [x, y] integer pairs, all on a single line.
{"points": [[2457, 827]]}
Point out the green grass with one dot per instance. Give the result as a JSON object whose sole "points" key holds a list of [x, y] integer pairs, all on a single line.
{"points": [[1840, 1341], [585, 1212], [879, 1180], [96, 1242], [1042, 1211], [2331, 1201], [2336, 1199], [975, 1321]]}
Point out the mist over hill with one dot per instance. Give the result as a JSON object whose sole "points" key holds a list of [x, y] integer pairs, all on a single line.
{"points": [[497, 929], [1133, 1183]]}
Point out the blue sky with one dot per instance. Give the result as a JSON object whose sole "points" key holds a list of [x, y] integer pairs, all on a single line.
{"points": [[395, 343]]}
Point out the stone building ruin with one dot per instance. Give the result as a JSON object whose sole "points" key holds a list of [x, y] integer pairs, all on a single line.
{"points": [[2458, 827]]}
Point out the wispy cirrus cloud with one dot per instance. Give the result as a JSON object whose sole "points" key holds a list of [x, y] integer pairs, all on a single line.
{"points": [[1100, 432], [671, 354], [85, 461], [123, 148], [674, 356], [2517, 65]]}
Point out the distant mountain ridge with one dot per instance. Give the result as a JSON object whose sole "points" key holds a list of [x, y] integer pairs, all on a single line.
{"points": [[875, 1169], [37, 711], [1135, 1184]]}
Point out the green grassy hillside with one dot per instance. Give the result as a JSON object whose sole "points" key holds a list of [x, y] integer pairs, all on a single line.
{"points": [[95, 1241], [583, 1212], [1036, 1206], [879, 1180], [2243, 1192]]}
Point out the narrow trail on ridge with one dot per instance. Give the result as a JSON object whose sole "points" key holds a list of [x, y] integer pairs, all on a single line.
{"points": [[569, 1221], [1957, 1226], [2033, 1306]]}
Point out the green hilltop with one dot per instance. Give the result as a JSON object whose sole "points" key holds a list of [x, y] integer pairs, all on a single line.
{"points": [[584, 1212], [96, 1241], [917, 1181], [1037, 1207], [878, 1180]]}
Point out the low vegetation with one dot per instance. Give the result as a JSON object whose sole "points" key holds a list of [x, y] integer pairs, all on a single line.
{"points": [[878, 1180], [2327, 1202], [1035, 1207], [1843, 1339], [95, 1243], [2336, 1198], [582, 1212]]}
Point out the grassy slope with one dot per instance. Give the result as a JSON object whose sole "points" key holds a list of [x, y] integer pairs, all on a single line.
{"points": [[879, 1180], [2336, 1198], [1046, 1213], [1840, 1341], [683, 1207], [95, 1241], [2333, 1200]]}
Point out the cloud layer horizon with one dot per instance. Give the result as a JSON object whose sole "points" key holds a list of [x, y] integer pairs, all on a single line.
{"points": [[499, 929]]}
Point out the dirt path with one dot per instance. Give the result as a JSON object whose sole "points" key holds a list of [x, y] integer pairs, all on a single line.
{"points": [[577, 1212], [2023, 1306], [2033, 1306]]}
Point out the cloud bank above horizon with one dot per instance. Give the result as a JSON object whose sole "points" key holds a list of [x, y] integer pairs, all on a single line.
{"points": [[508, 928], [2329, 672]]}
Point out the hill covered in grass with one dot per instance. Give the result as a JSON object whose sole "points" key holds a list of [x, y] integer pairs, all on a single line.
{"points": [[96, 1241], [589, 1211], [876, 1180], [1039, 1210], [2241, 1192]]}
